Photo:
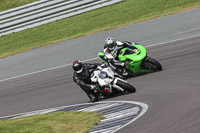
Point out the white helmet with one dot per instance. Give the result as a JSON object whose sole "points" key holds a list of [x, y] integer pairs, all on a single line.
{"points": [[110, 43]]}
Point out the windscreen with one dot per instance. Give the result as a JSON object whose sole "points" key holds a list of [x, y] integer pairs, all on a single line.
{"points": [[130, 50], [103, 75]]}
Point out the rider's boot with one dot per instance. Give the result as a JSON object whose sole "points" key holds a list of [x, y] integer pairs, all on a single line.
{"points": [[93, 97]]}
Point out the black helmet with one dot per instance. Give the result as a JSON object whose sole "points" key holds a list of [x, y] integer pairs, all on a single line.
{"points": [[77, 66], [110, 43]]}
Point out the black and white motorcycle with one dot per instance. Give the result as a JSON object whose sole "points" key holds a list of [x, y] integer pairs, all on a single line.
{"points": [[109, 82]]}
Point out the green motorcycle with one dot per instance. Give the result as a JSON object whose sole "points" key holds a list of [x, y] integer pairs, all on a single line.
{"points": [[135, 56]]}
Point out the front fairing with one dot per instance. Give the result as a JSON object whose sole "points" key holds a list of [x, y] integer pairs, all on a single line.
{"points": [[134, 53], [104, 76]]}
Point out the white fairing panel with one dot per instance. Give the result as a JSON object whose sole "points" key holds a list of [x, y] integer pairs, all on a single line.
{"points": [[95, 77]]}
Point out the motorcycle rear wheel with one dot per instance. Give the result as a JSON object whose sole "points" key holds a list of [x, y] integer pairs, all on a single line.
{"points": [[127, 86]]}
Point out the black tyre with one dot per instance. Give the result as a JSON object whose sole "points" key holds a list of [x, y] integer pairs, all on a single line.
{"points": [[153, 64], [127, 86]]}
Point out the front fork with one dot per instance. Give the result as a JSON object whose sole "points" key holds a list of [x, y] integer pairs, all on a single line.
{"points": [[146, 65], [117, 86]]}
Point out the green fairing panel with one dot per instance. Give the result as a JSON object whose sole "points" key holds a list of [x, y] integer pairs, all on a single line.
{"points": [[101, 53], [121, 57], [101, 56], [142, 55], [136, 57]]}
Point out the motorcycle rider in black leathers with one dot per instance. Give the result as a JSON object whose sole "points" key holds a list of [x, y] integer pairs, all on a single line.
{"points": [[82, 72], [111, 51]]}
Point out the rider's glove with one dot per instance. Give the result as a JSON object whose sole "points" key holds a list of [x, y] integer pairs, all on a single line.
{"points": [[122, 64], [93, 87], [119, 63]]}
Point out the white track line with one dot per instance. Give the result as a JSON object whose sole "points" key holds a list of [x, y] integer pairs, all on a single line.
{"points": [[143, 106], [93, 59], [173, 40], [98, 107]]}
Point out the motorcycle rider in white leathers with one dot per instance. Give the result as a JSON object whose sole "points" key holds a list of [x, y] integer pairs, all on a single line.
{"points": [[111, 51]]}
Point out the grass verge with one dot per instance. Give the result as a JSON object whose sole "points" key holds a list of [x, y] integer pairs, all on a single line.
{"points": [[8, 4], [58, 122], [124, 13]]}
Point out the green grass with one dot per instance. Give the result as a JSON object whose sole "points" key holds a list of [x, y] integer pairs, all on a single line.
{"points": [[124, 13], [58, 122], [8, 4]]}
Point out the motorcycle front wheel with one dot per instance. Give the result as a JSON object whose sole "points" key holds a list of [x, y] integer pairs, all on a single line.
{"points": [[127, 86], [152, 64]]}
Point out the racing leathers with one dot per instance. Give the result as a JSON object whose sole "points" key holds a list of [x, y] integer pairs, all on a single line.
{"points": [[112, 56], [83, 80]]}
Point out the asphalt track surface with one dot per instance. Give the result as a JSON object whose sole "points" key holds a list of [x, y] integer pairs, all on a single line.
{"points": [[172, 94], [150, 32]]}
